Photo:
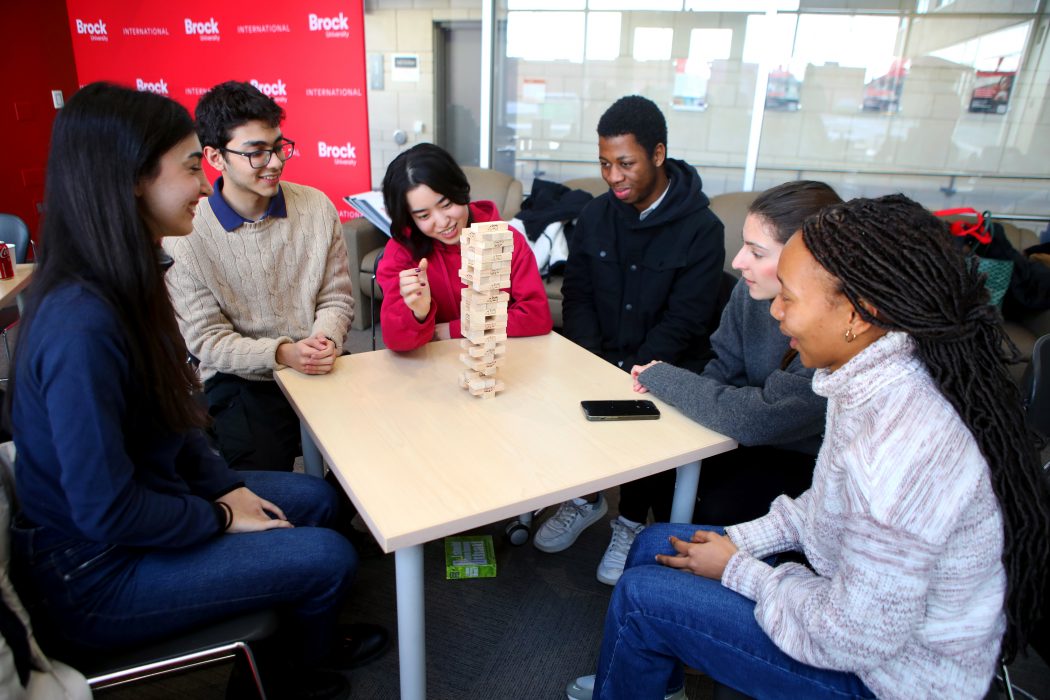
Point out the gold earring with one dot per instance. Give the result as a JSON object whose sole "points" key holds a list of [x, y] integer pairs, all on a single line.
{"points": [[850, 335]]}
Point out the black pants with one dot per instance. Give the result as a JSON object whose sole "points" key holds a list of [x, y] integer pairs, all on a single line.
{"points": [[254, 425], [656, 492], [739, 485]]}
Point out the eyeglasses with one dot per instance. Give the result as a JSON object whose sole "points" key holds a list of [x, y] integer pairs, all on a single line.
{"points": [[261, 158]]}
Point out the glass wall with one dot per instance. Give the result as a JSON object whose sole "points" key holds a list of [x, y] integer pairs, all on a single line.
{"points": [[946, 100]]}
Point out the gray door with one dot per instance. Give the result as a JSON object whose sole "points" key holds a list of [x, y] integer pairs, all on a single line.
{"points": [[457, 78]]}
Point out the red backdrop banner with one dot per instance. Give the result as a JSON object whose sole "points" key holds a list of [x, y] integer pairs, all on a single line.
{"points": [[310, 57]]}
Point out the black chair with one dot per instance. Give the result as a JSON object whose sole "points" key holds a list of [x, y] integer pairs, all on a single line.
{"points": [[1035, 388], [213, 644], [372, 298]]}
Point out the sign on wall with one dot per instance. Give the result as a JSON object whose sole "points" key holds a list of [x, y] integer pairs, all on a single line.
{"points": [[309, 56]]}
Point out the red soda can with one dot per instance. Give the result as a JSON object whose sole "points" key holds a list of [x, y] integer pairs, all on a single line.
{"points": [[7, 265]]}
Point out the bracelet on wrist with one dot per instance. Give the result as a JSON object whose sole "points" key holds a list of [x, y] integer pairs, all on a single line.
{"points": [[229, 515]]}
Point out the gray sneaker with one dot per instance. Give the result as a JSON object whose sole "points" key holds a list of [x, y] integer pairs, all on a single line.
{"points": [[561, 529], [611, 567], [583, 688]]}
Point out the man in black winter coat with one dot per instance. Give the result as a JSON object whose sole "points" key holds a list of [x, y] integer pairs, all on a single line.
{"points": [[641, 284]]}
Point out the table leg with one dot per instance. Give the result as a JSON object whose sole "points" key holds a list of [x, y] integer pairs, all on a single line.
{"points": [[313, 464], [410, 623], [685, 486]]}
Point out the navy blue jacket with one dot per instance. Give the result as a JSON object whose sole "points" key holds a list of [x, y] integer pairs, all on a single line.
{"points": [[662, 303], [91, 463]]}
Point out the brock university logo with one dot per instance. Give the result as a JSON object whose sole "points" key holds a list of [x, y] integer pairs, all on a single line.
{"points": [[337, 27], [278, 90], [340, 154], [160, 86], [95, 31], [207, 30]]}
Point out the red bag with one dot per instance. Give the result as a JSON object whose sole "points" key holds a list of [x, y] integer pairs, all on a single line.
{"points": [[962, 229]]}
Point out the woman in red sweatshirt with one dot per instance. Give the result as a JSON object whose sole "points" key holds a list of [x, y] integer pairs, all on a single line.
{"points": [[428, 199]]}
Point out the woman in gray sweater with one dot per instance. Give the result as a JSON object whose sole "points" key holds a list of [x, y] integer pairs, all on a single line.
{"points": [[756, 390]]}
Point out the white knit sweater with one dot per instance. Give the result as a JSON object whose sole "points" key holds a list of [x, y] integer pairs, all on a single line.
{"points": [[239, 294], [904, 532]]}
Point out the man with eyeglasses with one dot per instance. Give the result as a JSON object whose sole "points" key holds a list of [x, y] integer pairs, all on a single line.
{"points": [[263, 281]]}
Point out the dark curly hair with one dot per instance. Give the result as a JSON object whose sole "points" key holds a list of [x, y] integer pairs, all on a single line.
{"points": [[894, 254], [423, 164], [638, 116], [230, 105]]}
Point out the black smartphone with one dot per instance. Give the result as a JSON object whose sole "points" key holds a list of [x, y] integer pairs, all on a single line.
{"points": [[620, 410]]}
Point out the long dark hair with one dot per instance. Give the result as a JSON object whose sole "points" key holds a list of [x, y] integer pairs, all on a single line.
{"points": [[423, 164], [106, 140], [897, 256], [786, 206]]}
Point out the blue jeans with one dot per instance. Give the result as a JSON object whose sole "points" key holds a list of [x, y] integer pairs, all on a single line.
{"points": [[93, 596], [660, 617]]}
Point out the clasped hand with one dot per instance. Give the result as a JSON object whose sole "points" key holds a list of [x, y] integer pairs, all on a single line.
{"points": [[707, 554], [313, 355], [252, 513]]}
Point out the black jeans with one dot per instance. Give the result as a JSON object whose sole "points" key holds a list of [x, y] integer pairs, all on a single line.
{"points": [[255, 427], [739, 485]]}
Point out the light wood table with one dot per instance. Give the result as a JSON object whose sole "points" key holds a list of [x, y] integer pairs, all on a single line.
{"points": [[422, 459], [11, 287]]}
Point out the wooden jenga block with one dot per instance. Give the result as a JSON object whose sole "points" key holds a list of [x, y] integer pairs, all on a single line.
{"points": [[486, 231], [490, 264], [483, 322], [479, 383], [493, 334], [494, 309], [480, 275], [494, 348], [486, 388], [474, 253], [484, 365], [485, 297]]}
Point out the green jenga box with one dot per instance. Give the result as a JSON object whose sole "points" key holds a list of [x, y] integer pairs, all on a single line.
{"points": [[469, 556]]}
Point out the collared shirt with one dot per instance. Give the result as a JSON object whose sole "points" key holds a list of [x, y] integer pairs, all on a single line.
{"points": [[652, 207], [231, 220]]}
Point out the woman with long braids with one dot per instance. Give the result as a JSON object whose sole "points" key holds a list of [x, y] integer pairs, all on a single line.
{"points": [[926, 525]]}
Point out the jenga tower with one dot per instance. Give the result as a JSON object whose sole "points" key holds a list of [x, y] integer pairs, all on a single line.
{"points": [[485, 250]]}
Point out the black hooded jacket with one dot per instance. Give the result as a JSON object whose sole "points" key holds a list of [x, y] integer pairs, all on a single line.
{"points": [[637, 291]]}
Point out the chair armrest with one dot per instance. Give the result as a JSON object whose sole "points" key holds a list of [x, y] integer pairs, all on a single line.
{"points": [[361, 239], [1036, 322]]}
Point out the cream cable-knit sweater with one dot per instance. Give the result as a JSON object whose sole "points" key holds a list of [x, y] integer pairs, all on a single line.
{"points": [[904, 532], [239, 294]]}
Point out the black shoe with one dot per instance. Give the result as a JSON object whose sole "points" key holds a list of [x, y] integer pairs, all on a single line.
{"points": [[359, 644]]}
